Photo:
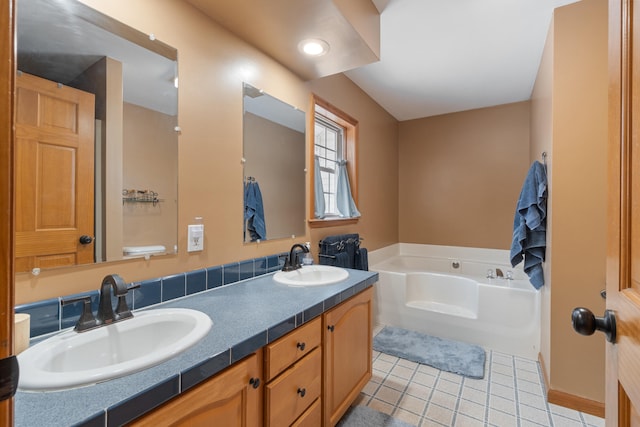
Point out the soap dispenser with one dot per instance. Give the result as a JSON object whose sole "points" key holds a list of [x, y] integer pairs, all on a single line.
{"points": [[307, 259]]}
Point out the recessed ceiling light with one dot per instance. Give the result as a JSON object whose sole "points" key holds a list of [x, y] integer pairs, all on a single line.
{"points": [[313, 47]]}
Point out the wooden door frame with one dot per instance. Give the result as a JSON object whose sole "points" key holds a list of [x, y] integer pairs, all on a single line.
{"points": [[7, 112]]}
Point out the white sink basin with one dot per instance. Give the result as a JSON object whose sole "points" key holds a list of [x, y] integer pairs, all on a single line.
{"points": [[311, 275], [71, 359]]}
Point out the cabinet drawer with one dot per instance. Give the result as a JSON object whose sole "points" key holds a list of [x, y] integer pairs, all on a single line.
{"points": [[285, 351], [289, 395], [312, 417]]}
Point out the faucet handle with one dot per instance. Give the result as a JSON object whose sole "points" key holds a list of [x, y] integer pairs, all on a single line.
{"points": [[122, 310], [87, 320]]}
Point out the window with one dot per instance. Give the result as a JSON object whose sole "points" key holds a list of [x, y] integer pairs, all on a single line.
{"points": [[329, 150], [335, 138]]}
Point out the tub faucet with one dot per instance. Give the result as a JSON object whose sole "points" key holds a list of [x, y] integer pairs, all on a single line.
{"points": [[291, 263], [499, 273], [490, 274]]}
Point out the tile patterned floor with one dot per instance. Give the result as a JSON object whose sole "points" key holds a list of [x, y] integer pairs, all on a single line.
{"points": [[511, 394]]}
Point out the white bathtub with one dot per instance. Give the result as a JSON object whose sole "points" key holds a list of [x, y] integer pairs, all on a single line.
{"points": [[444, 291]]}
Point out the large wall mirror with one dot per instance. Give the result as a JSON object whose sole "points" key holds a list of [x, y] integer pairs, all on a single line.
{"points": [[274, 167], [96, 138]]}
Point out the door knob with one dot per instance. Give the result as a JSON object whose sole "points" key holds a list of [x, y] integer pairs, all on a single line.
{"points": [[85, 240], [585, 323]]}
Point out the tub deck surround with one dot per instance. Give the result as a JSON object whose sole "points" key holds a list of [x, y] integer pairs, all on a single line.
{"points": [[246, 316], [444, 291]]}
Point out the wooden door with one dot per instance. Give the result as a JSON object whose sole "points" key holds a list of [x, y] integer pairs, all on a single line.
{"points": [[229, 399], [347, 346], [622, 406], [54, 174]]}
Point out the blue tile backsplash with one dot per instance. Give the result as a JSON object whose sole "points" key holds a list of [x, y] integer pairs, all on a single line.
{"points": [[49, 316]]}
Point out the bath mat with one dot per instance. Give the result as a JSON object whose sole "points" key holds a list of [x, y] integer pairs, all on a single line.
{"points": [[447, 355], [363, 416]]}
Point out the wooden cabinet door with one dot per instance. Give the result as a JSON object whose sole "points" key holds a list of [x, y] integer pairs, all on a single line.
{"points": [[347, 354], [228, 399], [54, 170]]}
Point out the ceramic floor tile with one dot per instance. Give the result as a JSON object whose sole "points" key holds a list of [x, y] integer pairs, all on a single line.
{"points": [[530, 387], [536, 401], [418, 390], [474, 395], [565, 412], [412, 404], [448, 387], [439, 414], [395, 383], [382, 366], [593, 420], [388, 395], [407, 417], [402, 371], [444, 400], [533, 377], [535, 415], [560, 421], [424, 379], [503, 391], [510, 395], [471, 409], [502, 369], [498, 378], [465, 421], [476, 384], [501, 419], [454, 378], [502, 404], [381, 406]]}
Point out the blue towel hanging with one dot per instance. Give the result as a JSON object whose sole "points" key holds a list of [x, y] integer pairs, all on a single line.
{"points": [[529, 225], [254, 212]]}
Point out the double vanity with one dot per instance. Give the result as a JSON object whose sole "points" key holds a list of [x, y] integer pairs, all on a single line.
{"points": [[276, 350]]}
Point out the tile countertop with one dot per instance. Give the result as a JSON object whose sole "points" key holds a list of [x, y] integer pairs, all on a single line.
{"points": [[246, 316]]}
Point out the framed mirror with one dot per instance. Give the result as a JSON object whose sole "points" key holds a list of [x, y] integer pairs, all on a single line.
{"points": [[96, 138], [273, 147]]}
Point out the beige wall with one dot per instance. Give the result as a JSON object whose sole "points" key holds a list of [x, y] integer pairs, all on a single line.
{"points": [[149, 163], [461, 175], [213, 64], [275, 156], [541, 141], [569, 120]]}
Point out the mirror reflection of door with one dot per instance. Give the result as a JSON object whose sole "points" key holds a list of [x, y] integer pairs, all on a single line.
{"points": [[54, 174]]}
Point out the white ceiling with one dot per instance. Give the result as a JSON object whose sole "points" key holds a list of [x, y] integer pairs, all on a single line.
{"points": [[443, 56]]}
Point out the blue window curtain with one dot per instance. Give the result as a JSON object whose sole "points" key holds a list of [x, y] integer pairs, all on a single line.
{"points": [[319, 208], [344, 200]]}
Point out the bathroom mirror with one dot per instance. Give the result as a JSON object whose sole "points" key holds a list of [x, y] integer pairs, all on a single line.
{"points": [[274, 167], [130, 172]]}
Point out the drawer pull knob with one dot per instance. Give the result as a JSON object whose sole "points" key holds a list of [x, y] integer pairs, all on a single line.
{"points": [[301, 346], [255, 382], [302, 392], [330, 327]]}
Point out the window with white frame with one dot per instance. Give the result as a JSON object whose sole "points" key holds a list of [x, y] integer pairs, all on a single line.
{"points": [[334, 179], [329, 150]]}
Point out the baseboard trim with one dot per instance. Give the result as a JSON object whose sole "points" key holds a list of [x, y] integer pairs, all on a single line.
{"points": [[567, 400], [576, 402]]}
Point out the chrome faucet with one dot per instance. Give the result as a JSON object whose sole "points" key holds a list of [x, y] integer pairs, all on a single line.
{"points": [[291, 263]]}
